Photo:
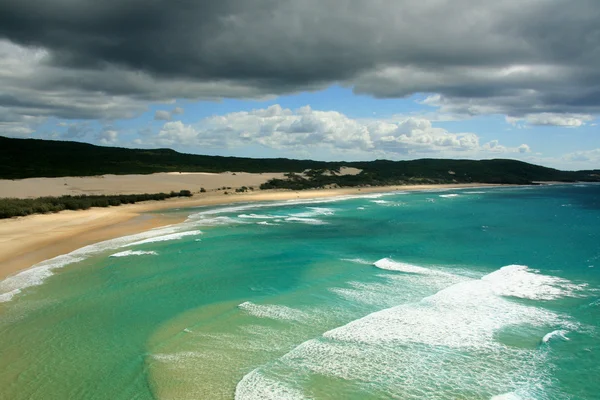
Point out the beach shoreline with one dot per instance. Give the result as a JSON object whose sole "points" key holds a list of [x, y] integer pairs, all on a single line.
{"points": [[26, 241]]}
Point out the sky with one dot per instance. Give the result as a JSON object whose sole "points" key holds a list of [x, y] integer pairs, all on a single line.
{"points": [[327, 80]]}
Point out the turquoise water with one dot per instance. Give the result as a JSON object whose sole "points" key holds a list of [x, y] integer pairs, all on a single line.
{"points": [[467, 294]]}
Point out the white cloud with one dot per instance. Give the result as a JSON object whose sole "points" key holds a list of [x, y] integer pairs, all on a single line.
{"points": [[12, 129], [306, 131], [524, 149], [551, 119], [587, 156], [108, 137], [162, 115], [177, 110], [175, 132]]}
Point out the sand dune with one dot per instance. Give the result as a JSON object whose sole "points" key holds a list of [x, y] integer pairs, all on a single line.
{"points": [[130, 184]]}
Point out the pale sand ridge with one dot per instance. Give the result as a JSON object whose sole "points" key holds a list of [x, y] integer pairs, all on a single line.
{"points": [[130, 184]]}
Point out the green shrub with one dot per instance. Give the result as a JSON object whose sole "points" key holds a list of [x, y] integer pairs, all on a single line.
{"points": [[21, 207]]}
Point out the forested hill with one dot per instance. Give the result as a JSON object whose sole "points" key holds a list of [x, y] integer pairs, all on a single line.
{"points": [[26, 158]]}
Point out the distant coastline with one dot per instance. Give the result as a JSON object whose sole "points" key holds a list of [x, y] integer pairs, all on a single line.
{"points": [[26, 241]]}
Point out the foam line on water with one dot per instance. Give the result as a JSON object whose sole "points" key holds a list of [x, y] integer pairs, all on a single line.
{"points": [[308, 221], [273, 311], [259, 216], [215, 221], [357, 261], [13, 285], [127, 253], [256, 385], [314, 212], [449, 195], [387, 294], [391, 265], [38, 273], [164, 238], [254, 206], [507, 396]]}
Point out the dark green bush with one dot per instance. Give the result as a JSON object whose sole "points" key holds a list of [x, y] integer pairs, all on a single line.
{"points": [[42, 205]]}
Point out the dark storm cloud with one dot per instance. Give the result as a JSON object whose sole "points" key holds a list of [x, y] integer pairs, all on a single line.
{"points": [[510, 57]]}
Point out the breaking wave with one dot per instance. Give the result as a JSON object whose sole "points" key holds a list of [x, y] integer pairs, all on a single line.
{"points": [[133, 253], [557, 334], [164, 238], [309, 221], [391, 265], [426, 346]]}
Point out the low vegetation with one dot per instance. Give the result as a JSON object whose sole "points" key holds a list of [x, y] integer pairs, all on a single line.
{"points": [[26, 158], [430, 171], [29, 158], [42, 205]]}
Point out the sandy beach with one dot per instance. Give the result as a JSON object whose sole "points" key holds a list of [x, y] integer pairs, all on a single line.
{"points": [[26, 241]]}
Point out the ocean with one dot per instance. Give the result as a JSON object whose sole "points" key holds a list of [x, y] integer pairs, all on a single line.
{"points": [[487, 293]]}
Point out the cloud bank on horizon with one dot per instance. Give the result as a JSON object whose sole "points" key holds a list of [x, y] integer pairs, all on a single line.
{"points": [[85, 66]]}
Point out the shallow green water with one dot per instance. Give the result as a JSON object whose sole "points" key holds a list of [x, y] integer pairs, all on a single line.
{"points": [[284, 301]]}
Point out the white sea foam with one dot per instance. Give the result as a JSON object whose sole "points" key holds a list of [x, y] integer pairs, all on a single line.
{"points": [[465, 314], [273, 311], [449, 195], [164, 238], [388, 294], [206, 214], [265, 223], [133, 253], [391, 265], [254, 206], [217, 221], [475, 192], [523, 282], [445, 344], [13, 285], [179, 359], [395, 289], [358, 261], [314, 212], [401, 372], [595, 303], [259, 216], [257, 386], [380, 201], [308, 221], [507, 396], [557, 334]]}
